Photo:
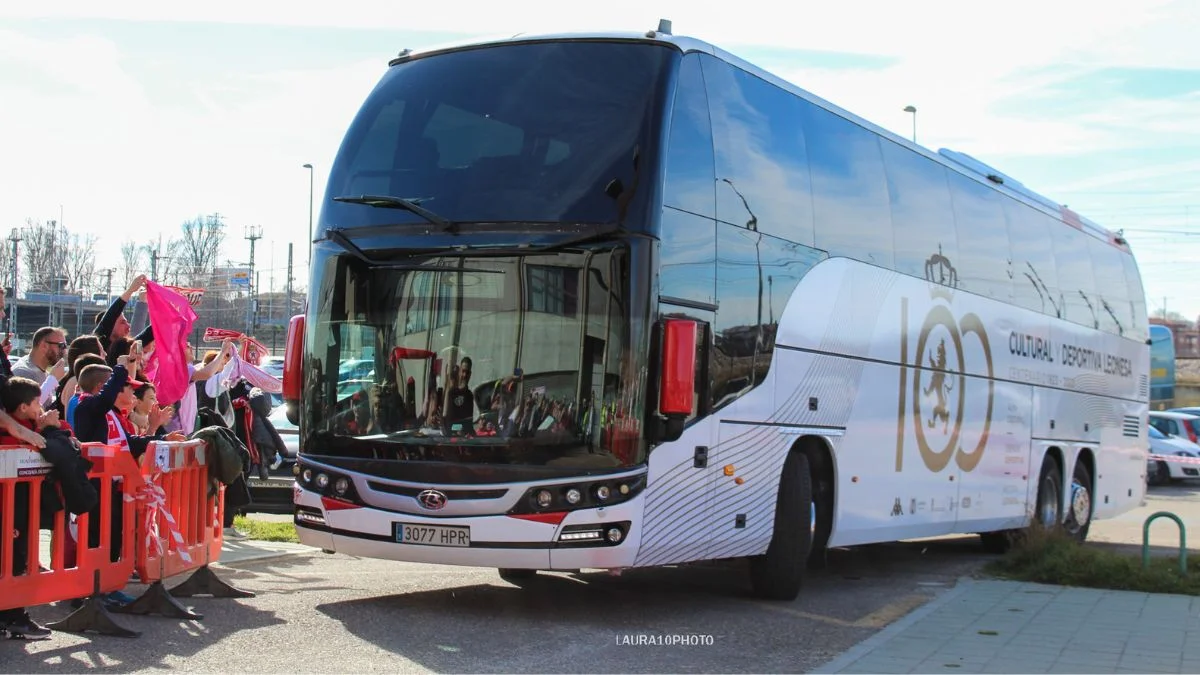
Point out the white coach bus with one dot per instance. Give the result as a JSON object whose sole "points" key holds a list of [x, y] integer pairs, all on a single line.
{"points": [[611, 301]]}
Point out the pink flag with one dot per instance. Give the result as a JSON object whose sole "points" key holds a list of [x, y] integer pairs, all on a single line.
{"points": [[172, 316]]}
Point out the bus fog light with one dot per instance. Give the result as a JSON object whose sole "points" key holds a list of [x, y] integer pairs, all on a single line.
{"points": [[544, 498], [322, 481], [295, 469], [603, 492], [573, 496], [341, 485], [615, 535], [624, 489], [581, 535]]}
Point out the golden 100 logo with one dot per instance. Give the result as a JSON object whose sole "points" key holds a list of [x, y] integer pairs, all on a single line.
{"points": [[936, 401]]}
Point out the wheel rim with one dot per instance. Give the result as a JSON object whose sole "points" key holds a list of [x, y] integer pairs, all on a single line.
{"points": [[1081, 505], [1048, 509], [812, 525]]}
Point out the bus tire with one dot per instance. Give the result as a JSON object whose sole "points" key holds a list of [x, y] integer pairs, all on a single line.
{"points": [[778, 573], [1047, 513], [1080, 503], [822, 522], [516, 575]]}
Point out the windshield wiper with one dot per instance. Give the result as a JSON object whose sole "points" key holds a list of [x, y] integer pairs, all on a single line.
{"points": [[389, 202]]}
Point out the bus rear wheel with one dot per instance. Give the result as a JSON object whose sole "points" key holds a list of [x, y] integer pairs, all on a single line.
{"points": [[1079, 507], [516, 575], [778, 573]]}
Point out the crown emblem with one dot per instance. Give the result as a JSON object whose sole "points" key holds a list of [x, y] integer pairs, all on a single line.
{"points": [[941, 275]]}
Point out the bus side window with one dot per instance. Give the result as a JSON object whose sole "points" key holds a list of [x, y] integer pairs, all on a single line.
{"points": [[984, 253], [689, 182], [850, 195], [687, 252], [922, 213], [1035, 274], [1075, 276], [1137, 299], [761, 155], [1112, 295]]}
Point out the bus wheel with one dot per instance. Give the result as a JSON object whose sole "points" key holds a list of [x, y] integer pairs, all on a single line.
{"points": [[1079, 507], [821, 521], [514, 575], [1048, 513], [777, 574]]}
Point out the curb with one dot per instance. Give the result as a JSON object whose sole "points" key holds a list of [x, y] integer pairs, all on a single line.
{"points": [[865, 647], [262, 557]]}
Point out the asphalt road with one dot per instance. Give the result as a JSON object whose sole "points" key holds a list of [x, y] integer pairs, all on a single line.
{"points": [[331, 613], [319, 613]]}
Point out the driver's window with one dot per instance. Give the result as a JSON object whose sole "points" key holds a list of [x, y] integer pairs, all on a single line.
{"points": [[358, 394]]}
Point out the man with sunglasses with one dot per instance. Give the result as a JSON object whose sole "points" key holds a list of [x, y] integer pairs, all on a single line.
{"points": [[49, 347]]}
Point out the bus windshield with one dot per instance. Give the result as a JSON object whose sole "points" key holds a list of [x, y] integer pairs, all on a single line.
{"points": [[549, 132], [523, 360]]}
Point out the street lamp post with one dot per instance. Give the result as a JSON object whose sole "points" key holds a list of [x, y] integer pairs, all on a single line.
{"points": [[913, 110], [310, 211]]}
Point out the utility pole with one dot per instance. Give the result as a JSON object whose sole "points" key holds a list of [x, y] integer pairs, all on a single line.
{"points": [[53, 245], [253, 234], [271, 288], [108, 285], [154, 256], [287, 314], [15, 238]]}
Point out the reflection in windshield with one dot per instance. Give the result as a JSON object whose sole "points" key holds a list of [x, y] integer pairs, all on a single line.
{"points": [[511, 360]]}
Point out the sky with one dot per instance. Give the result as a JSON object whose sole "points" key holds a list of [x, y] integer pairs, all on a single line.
{"points": [[130, 117]]}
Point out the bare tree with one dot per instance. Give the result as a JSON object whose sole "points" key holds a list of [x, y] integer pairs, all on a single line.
{"points": [[199, 247], [80, 263], [44, 248], [131, 261]]}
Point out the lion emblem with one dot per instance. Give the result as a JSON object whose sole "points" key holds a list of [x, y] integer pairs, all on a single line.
{"points": [[939, 387]]}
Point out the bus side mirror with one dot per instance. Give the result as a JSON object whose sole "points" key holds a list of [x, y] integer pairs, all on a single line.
{"points": [[293, 368], [677, 387]]}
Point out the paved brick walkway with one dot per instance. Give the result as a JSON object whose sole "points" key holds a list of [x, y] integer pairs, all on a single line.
{"points": [[1013, 627]]}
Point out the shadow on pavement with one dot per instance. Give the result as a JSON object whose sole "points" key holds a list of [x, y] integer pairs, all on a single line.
{"points": [[163, 640]]}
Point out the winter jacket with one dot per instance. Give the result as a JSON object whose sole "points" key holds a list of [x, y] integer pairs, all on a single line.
{"points": [[227, 460], [70, 476]]}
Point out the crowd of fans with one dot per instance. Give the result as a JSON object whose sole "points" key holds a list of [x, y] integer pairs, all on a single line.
{"points": [[94, 389]]}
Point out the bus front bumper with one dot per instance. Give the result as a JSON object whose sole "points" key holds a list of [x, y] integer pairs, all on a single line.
{"points": [[476, 541]]}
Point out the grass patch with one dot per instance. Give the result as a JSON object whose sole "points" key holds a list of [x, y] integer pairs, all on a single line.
{"points": [[266, 530], [1055, 558]]}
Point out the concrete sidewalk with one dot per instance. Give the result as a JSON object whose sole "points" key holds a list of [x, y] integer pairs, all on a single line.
{"points": [[238, 551], [1013, 627]]}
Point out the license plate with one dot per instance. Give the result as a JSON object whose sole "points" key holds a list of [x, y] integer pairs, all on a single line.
{"points": [[433, 535]]}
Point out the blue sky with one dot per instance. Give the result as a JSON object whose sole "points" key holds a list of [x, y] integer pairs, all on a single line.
{"points": [[134, 115]]}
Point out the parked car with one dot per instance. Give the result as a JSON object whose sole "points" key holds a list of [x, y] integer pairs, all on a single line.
{"points": [[273, 365], [1160, 472], [287, 431], [1173, 423]]}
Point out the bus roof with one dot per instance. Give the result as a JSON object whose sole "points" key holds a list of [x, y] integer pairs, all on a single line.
{"points": [[958, 161]]}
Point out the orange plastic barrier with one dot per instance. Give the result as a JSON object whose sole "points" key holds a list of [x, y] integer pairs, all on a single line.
{"points": [[92, 572], [178, 529]]}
